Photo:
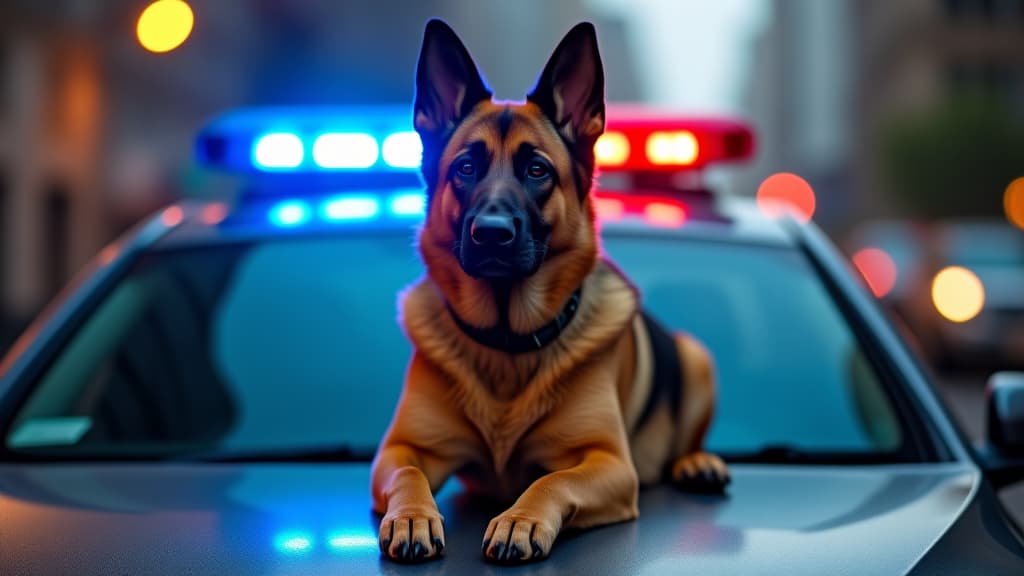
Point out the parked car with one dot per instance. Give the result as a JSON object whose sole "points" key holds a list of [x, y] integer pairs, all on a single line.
{"points": [[206, 397]]}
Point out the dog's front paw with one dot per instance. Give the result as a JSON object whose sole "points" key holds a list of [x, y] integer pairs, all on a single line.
{"points": [[515, 538], [700, 472], [412, 536]]}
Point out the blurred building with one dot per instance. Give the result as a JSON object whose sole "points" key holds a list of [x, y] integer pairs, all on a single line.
{"points": [[95, 132], [801, 102], [830, 77]]}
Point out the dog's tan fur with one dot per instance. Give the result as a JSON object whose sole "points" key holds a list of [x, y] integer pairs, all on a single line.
{"points": [[555, 430]]}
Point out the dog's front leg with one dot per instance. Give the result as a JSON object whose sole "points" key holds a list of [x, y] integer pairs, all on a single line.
{"points": [[428, 440], [601, 489], [412, 528]]}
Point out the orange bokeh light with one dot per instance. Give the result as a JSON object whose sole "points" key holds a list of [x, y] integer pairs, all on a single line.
{"points": [[664, 214], [609, 209], [877, 268], [1013, 202], [786, 192]]}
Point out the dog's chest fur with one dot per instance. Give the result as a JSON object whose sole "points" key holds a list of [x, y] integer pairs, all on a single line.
{"points": [[608, 306]]}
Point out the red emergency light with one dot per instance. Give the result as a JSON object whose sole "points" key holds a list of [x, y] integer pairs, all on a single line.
{"points": [[639, 138]]}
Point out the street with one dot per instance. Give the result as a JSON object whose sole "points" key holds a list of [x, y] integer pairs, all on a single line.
{"points": [[965, 396]]}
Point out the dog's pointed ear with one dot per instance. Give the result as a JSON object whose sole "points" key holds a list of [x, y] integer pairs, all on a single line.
{"points": [[570, 91], [448, 84]]}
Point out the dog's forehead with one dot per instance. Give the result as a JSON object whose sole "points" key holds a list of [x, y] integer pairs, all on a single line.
{"points": [[503, 127]]}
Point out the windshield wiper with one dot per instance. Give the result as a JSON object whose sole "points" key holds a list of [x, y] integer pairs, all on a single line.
{"points": [[788, 454], [311, 455]]}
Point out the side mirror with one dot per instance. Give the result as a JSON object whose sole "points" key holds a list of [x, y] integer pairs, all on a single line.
{"points": [[1005, 397], [1003, 452]]}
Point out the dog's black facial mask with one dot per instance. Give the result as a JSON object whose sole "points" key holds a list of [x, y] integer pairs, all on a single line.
{"points": [[502, 234], [503, 181]]}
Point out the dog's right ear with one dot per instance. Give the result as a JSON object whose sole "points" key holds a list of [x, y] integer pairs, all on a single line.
{"points": [[448, 84]]}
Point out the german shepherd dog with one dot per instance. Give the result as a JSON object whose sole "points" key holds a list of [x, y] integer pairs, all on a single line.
{"points": [[535, 375]]}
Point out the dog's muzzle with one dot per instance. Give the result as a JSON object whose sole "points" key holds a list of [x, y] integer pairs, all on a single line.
{"points": [[497, 244]]}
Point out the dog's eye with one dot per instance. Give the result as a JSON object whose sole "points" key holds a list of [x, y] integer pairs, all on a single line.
{"points": [[466, 168], [537, 170]]}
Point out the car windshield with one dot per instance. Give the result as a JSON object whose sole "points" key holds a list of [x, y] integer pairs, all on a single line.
{"points": [[291, 344]]}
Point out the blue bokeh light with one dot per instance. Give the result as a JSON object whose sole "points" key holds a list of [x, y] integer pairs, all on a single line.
{"points": [[293, 542], [345, 150], [278, 150], [403, 150], [348, 540], [351, 208], [408, 204], [289, 213]]}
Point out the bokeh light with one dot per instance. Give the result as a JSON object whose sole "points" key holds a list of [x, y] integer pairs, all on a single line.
{"points": [[290, 213], [611, 149], [877, 268], [957, 293], [664, 214], [164, 25], [293, 542], [214, 213], [665, 148], [786, 192], [172, 216], [609, 209], [1013, 202]]}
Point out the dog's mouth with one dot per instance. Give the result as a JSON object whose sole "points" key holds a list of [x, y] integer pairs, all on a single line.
{"points": [[489, 267], [493, 268]]}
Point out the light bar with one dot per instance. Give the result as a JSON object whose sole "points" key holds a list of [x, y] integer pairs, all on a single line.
{"points": [[379, 139], [640, 139], [293, 213]]}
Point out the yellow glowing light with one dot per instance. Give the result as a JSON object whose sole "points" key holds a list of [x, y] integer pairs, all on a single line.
{"points": [[164, 25], [1013, 202], [672, 148], [611, 149], [958, 294]]}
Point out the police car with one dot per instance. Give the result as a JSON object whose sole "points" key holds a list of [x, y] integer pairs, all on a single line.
{"points": [[207, 395]]}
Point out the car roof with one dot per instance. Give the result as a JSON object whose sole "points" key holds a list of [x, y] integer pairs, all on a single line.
{"points": [[706, 217]]}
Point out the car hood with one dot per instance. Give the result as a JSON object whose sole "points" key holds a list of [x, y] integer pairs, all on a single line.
{"points": [[315, 518]]}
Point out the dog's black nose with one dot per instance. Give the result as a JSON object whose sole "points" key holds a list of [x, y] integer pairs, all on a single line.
{"points": [[494, 229]]}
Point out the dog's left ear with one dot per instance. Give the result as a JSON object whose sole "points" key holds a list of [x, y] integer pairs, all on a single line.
{"points": [[570, 91]]}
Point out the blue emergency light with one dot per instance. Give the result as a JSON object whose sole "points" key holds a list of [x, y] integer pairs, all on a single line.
{"points": [[312, 140], [320, 165]]}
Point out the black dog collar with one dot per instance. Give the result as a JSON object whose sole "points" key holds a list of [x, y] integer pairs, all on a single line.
{"points": [[506, 340]]}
